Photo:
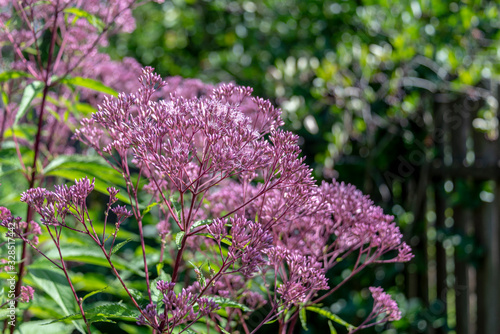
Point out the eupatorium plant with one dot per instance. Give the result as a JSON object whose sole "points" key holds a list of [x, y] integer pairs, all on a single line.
{"points": [[51, 72], [235, 208]]}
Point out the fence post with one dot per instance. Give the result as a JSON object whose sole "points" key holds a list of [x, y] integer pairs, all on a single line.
{"points": [[488, 236], [460, 132], [439, 137]]}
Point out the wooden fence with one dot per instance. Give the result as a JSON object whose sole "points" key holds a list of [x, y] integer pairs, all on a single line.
{"points": [[457, 237]]}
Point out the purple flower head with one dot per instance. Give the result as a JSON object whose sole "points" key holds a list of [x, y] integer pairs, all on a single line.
{"points": [[33, 230], [304, 278], [121, 212], [179, 139], [112, 191], [81, 190], [165, 286], [35, 198], [383, 303], [404, 253], [4, 213], [148, 316], [207, 306], [163, 228], [26, 294]]}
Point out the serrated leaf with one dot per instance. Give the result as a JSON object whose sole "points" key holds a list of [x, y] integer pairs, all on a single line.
{"points": [[56, 286], [90, 84], [201, 223], [178, 239], [28, 95], [335, 318], [226, 302], [116, 248], [103, 313], [303, 319], [33, 327], [90, 294], [9, 75]]}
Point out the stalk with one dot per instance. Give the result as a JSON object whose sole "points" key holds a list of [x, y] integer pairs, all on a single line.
{"points": [[29, 214]]}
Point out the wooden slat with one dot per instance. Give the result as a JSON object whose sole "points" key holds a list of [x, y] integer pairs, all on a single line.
{"points": [[440, 208], [460, 132], [488, 236]]}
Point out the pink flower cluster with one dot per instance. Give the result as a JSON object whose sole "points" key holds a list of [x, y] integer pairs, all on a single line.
{"points": [[179, 308], [232, 183], [27, 293], [384, 304], [78, 29]]}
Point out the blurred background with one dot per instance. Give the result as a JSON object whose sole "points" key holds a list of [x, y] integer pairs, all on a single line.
{"points": [[397, 97]]}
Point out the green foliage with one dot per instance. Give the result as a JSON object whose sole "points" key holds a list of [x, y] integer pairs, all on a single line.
{"points": [[29, 94], [329, 315], [104, 313], [90, 84], [55, 285]]}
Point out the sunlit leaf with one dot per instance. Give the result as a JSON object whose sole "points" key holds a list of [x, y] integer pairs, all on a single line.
{"points": [[57, 287], [104, 313], [331, 316], [90, 84], [8, 75], [92, 19], [28, 95]]}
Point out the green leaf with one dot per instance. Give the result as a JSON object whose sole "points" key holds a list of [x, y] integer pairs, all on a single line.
{"points": [[149, 207], [103, 313], [90, 84], [159, 268], [94, 293], [226, 302], [116, 248], [332, 329], [28, 95], [8, 75], [189, 331], [303, 319], [134, 329], [84, 108], [57, 287], [92, 19], [223, 330], [331, 316], [177, 209], [91, 255], [224, 241], [5, 98], [200, 223], [33, 327], [178, 239]]}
